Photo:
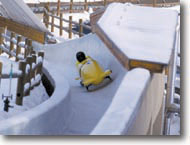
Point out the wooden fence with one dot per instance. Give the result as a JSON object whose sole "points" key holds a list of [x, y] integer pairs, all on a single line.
{"points": [[30, 64], [80, 24], [16, 45], [71, 6]]}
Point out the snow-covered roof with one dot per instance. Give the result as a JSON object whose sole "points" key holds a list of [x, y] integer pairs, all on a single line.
{"points": [[19, 12], [141, 33]]}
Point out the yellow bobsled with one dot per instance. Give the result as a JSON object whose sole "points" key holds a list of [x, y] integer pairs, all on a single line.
{"points": [[91, 73]]}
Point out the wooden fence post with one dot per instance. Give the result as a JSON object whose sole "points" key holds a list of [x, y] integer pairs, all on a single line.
{"points": [[44, 17], [58, 7], [47, 15], [18, 48], [39, 69], [26, 48], [34, 57], [86, 5], [30, 47], [29, 61], [20, 83], [61, 24], [80, 28], [105, 2], [52, 22], [154, 3], [2, 31], [11, 43], [70, 27], [71, 6]]}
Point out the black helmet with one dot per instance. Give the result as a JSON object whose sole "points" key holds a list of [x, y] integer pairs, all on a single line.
{"points": [[80, 56]]}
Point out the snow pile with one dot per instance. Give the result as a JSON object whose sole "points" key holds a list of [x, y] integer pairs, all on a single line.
{"points": [[141, 33]]}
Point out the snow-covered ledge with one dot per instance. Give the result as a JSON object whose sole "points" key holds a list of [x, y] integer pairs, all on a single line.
{"points": [[137, 108], [45, 118]]}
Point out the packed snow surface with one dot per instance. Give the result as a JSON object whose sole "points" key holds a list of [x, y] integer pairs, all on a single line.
{"points": [[141, 33]]}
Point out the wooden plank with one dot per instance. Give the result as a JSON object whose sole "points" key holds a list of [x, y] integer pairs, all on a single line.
{"points": [[94, 17], [160, 4], [155, 67], [23, 30]]}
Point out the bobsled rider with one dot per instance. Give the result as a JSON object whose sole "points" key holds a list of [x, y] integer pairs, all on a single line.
{"points": [[90, 71]]}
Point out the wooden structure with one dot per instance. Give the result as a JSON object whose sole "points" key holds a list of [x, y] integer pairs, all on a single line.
{"points": [[15, 41], [23, 30], [83, 6], [28, 77], [70, 22]]}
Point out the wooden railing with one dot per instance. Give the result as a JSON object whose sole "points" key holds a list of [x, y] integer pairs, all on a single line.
{"points": [[30, 64], [14, 42], [80, 24], [71, 6]]}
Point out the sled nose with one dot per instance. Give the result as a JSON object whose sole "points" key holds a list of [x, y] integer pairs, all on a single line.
{"points": [[107, 73]]}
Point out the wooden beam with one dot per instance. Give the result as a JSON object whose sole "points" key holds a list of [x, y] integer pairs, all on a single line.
{"points": [[94, 17], [23, 30], [155, 67]]}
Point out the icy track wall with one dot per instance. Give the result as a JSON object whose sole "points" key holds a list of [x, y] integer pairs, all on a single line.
{"points": [[114, 109], [42, 119]]}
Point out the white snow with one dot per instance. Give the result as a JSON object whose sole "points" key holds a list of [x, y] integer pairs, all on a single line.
{"points": [[142, 33]]}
